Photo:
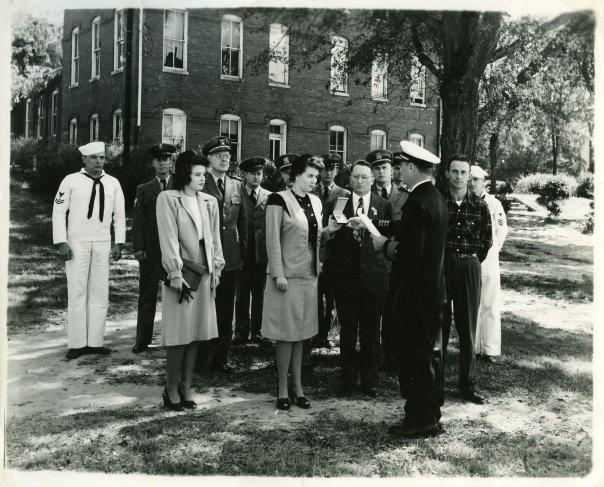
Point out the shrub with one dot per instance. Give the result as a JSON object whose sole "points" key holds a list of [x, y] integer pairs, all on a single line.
{"points": [[585, 185], [533, 183], [23, 153], [550, 194], [53, 163], [589, 222]]}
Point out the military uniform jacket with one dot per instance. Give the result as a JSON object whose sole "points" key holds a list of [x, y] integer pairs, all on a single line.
{"points": [[417, 251], [256, 223], [233, 227], [348, 261], [144, 221], [335, 193], [398, 197]]}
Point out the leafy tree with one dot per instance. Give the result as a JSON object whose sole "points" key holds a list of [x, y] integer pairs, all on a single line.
{"points": [[36, 55]]}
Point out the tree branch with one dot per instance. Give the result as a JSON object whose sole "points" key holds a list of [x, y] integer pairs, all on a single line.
{"points": [[421, 53]]}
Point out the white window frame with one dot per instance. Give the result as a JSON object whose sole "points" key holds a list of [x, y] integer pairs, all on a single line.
{"points": [[278, 43], [339, 55], [338, 128], [117, 133], [75, 57], [170, 139], [282, 138], [379, 79], [54, 112], [375, 134], [172, 69], [73, 131], [27, 117], [94, 127], [417, 91], [39, 118], [95, 50], [417, 137], [232, 19], [232, 118], [119, 40]]}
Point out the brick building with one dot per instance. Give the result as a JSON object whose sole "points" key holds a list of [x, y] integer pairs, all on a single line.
{"points": [[188, 76]]}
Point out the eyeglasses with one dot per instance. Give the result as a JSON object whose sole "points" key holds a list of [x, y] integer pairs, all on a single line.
{"points": [[360, 177]]}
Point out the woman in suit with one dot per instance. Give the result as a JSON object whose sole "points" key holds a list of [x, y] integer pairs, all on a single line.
{"points": [[293, 233], [188, 226]]}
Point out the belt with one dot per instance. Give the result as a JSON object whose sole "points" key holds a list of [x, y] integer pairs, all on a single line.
{"points": [[462, 256]]}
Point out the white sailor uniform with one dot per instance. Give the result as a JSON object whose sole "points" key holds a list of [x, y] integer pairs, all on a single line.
{"points": [[84, 222], [488, 327]]}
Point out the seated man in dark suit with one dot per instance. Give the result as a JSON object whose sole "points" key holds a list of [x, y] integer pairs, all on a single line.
{"points": [[359, 276]]}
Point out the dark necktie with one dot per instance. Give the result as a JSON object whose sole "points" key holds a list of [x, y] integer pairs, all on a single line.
{"points": [[253, 198], [358, 234], [220, 184], [163, 184], [361, 206], [325, 194], [96, 181], [384, 193]]}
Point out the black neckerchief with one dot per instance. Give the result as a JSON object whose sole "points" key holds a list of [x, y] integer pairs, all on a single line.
{"points": [[96, 181]]}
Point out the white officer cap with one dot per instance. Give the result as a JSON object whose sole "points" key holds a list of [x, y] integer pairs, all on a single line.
{"points": [[92, 148], [478, 172], [417, 153]]}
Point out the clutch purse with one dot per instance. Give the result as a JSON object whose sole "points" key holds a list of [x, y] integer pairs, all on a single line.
{"points": [[192, 273]]}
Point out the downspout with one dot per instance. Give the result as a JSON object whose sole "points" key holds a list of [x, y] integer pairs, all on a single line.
{"points": [[140, 76], [128, 89]]}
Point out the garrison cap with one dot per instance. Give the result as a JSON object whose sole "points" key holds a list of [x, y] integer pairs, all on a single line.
{"points": [[217, 143], [379, 156], [92, 148], [418, 155], [161, 151], [332, 160], [284, 161], [398, 157], [253, 164], [478, 172]]}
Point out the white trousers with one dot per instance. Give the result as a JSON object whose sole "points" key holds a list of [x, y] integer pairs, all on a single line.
{"points": [[87, 293], [488, 327]]}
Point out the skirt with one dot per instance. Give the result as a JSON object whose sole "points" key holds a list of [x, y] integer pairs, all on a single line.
{"points": [[184, 323], [293, 315]]}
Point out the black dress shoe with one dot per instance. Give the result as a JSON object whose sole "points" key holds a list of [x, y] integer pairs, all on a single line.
{"points": [[223, 369], [241, 340], [490, 359], [472, 396], [369, 391], [404, 430], [75, 353], [283, 403], [172, 406], [299, 401], [186, 404], [140, 348], [98, 350]]}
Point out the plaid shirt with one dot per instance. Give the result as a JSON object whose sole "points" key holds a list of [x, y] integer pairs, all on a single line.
{"points": [[469, 230]]}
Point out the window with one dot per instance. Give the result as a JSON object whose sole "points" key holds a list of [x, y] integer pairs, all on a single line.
{"points": [[379, 80], [378, 140], [95, 71], [27, 117], [54, 113], [175, 39], [39, 118], [337, 140], [418, 83], [417, 139], [73, 131], [339, 65], [230, 126], [231, 46], [75, 57], [119, 30], [94, 127], [277, 138], [174, 128], [117, 126], [278, 65]]}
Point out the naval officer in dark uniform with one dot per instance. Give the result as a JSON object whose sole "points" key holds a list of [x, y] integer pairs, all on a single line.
{"points": [[146, 242], [233, 233]]}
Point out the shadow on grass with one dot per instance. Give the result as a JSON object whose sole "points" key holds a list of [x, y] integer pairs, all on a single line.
{"points": [[551, 286]]}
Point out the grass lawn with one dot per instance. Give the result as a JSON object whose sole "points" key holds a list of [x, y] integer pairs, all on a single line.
{"points": [[104, 413]]}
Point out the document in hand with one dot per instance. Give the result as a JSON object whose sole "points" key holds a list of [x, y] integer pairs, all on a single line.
{"points": [[369, 225]]}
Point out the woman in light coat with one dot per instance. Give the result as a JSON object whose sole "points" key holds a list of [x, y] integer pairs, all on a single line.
{"points": [[293, 234], [189, 228]]}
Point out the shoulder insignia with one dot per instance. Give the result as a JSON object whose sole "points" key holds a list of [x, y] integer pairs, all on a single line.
{"points": [[59, 201]]}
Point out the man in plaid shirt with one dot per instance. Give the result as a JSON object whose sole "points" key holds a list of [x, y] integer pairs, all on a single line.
{"points": [[468, 242]]}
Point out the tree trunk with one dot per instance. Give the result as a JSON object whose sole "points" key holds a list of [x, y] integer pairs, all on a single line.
{"points": [[554, 153], [493, 156]]}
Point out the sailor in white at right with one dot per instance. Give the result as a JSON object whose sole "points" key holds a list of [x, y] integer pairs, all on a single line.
{"points": [[488, 327], [84, 207]]}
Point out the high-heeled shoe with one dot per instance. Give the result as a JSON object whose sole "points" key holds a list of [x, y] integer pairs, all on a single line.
{"points": [[300, 401], [172, 406], [282, 402], [184, 402]]}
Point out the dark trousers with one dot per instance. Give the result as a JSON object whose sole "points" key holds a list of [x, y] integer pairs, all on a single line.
{"points": [[225, 302], [419, 342], [326, 305], [359, 312], [463, 279], [250, 291], [388, 328], [150, 272]]}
